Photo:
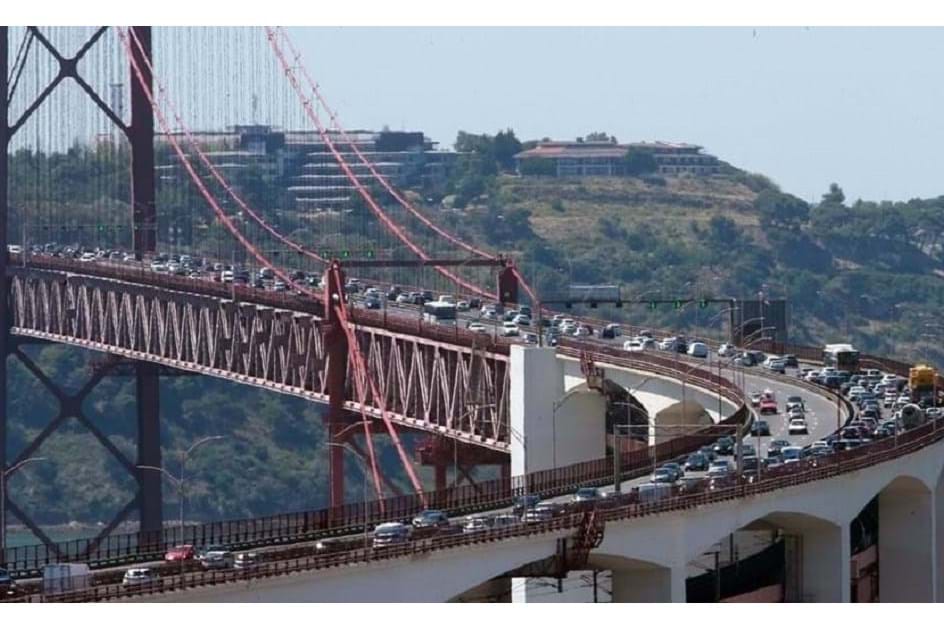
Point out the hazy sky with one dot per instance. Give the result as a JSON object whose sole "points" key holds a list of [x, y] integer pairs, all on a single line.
{"points": [[861, 107]]}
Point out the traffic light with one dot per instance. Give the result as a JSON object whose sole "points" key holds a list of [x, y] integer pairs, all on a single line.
{"points": [[369, 254], [703, 303], [678, 304], [653, 305]]}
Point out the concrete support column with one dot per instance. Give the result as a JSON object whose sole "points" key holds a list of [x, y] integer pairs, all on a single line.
{"points": [[825, 557], [537, 382], [519, 590], [906, 553], [656, 584]]}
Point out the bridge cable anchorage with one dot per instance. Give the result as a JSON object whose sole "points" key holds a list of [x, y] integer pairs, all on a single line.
{"points": [[208, 197], [360, 364], [336, 123], [214, 171], [364, 193]]}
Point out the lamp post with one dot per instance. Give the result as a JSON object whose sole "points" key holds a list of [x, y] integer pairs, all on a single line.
{"points": [[4, 474], [363, 464], [179, 481]]}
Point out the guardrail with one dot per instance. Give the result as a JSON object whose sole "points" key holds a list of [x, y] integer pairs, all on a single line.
{"points": [[628, 506]]}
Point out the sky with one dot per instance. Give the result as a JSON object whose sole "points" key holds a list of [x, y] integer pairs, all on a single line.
{"points": [[804, 106]]}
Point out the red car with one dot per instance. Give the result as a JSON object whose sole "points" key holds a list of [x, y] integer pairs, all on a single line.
{"points": [[180, 553], [768, 407]]}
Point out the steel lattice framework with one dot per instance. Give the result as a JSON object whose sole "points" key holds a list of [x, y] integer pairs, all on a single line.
{"points": [[427, 385]]}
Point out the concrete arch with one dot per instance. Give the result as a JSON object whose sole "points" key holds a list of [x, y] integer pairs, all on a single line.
{"points": [[906, 541], [641, 581]]}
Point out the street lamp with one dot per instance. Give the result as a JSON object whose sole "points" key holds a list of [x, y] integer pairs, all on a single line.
{"points": [[360, 460], [4, 474], [180, 480]]}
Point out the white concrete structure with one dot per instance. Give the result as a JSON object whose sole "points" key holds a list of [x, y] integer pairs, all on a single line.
{"points": [[648, 555]]}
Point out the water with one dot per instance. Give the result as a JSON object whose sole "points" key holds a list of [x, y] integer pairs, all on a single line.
{"points": [[25, 537]]}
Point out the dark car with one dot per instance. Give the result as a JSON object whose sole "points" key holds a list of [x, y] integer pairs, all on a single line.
{"points": [[709, 453], [430, 519], [760, 428], [7, 584], [697, 462], [775, 446], [790, 361], [724, 446], [586, 494], [523, 503]]}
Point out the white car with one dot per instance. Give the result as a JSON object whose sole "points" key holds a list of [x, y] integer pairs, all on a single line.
{"points": [[87, 257], [581, 331], [633, 346], [522, 320], [509, 328], [798, 427], [478, 327], [698, 350], [726, 350], [462, 306], [140, 577]]}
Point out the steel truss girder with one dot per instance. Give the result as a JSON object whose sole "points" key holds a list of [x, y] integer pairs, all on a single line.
{"points": [[458, 392]]}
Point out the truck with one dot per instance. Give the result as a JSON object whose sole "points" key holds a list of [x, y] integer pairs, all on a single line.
{"points": [[841, 356], [921, 382], [66, 577]]}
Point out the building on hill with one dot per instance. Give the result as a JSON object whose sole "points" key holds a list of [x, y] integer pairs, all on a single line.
{"points": [[608, 159], [302, 164]]}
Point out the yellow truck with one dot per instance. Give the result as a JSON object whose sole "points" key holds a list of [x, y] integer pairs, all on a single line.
{"points": [[921, 381]]}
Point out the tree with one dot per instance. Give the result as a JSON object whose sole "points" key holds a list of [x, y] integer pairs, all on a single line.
{"points": [[835, 196], [723, 229], [778, 208], [640, 162], [600, 136], [505, 147]]}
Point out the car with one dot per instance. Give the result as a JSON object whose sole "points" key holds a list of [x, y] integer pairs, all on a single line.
{"points": [[798, 427], [755, 399], [245, 561], [768, 407], [587, 495], [721, 464], [140, 577], [504, 520], [521, 319], [698, 350], [537, 514], [777, 366], [790, 361], [709, 453], [462, 306], [582, 331], [697, 462], [530, 337], [633, 346], [675, 467], [8, 585], [523, 503], [760, 428], [795, 413], [663, 475], [726, 350], [390, 534], [776, 446], [217, 560], [610, 331], [791, 454], [184, 552], [508, 329], [373, 303], [475, 524], [200, 554], [87, 257], [795, 400], [404, 298], [724, 445], [430, 519]]}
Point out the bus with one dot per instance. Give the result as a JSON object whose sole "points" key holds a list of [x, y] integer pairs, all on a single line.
{"points": [[439, 312], [841, 356]]}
